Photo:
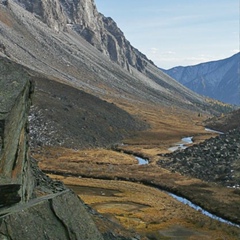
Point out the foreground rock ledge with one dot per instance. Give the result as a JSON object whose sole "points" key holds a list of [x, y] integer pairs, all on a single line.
{"points": [[56, 216], [31, 207]]}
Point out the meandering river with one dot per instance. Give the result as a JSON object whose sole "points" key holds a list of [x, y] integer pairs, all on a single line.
{"points": [[182, 145], [198, 208], [142, 161]]}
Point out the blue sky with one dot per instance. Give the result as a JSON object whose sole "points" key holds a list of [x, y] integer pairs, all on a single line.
{"points": [[177, 32]]}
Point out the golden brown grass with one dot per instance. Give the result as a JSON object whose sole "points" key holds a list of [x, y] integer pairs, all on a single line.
{"points": [[71, 156], [135, 206], [135, 197], [146, 209], [167, 126]]}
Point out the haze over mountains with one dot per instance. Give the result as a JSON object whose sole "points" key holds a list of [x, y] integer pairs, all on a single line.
{"points": [[217, 79]]}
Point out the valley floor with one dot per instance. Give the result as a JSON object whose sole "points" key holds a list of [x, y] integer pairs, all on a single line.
{"points": [[126, 193]]}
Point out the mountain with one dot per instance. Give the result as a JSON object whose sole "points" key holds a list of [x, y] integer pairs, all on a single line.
{"points": [[70, 43], [89, 89], [58, 49], [217, 79], [83, 18]]}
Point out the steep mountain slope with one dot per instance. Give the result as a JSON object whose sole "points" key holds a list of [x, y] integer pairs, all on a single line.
{"points": [[218, 79], [83, 18], [63, 115], [67, 56], [47, 40]]}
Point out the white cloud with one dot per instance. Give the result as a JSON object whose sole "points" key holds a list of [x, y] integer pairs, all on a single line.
{"points": [[170, 59], [169, 53], [154, 51], [233, 51], [157, 52]]}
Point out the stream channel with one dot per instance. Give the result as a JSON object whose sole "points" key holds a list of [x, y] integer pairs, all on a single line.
{"points": [[182, 145], [142, 161]]}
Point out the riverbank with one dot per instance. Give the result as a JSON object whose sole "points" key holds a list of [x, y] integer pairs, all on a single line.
{"points": [[147, 210], [94, 164], [77, 165]]}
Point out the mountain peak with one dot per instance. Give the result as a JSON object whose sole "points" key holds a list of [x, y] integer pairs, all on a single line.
{"points": [[82, 17]]}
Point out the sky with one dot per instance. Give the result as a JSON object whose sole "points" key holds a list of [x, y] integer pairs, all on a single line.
{"points": [[178, 32]]}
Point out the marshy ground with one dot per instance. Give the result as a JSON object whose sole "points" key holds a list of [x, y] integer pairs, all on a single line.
{"points": [[113, 183]]}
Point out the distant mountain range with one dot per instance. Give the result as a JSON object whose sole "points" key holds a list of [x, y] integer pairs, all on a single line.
{"points": [[217, 79]]}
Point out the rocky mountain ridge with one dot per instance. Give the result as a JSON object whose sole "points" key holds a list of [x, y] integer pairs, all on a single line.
{"points": [[217, 79], [83, 18], [67, 56]]}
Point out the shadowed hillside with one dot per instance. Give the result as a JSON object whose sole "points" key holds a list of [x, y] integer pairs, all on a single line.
{"points": [[226, 122]]}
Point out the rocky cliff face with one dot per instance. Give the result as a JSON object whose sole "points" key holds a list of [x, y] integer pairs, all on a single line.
{"points": [[82, 17], [217, 79], [50, 12], [15, 174], [66, 56], [28, 198]]}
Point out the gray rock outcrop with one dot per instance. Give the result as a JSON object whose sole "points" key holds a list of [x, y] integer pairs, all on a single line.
{"points": [[32, 206], [50, 12], [57, 216], [15, 174]]}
